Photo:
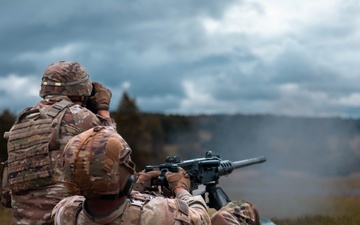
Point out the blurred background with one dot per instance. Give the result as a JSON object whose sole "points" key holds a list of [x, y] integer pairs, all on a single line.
{"points": [[312, 165], [240, 78]]}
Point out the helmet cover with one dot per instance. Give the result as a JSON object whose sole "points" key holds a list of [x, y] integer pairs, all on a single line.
{"points": [[97, 162], [65, 78]]}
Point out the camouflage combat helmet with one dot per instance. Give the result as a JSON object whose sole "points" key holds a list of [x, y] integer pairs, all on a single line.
{"points": [[97, 162], [65, 78]]}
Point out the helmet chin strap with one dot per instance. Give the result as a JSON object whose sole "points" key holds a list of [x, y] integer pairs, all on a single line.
{"points": [[125, 192], [128, 186]]}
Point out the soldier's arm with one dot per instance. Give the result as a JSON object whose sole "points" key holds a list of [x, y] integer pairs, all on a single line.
{"points": [[104, 113], [85, 119], [105, 119], [197, 209], [67, 210]]}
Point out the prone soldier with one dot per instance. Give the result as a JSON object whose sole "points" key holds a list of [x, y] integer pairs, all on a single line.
{"points": [[99, 171], [204, 171]]}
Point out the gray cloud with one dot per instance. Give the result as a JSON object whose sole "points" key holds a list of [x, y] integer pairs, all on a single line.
{"points": [[191, 57]]}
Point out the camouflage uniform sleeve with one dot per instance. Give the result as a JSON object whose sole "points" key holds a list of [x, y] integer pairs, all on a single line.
{"points": [[67, 210], [84, 119], [75, 121], [198, 211], [183, 210], [107, 121]]}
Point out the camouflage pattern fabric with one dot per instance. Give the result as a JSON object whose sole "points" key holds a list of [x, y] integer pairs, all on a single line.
{"points": [[236, 213], [67, 210], [34, 206], [97, 162], [139, 209], [31, 141], [65, 78], [5, 190]]}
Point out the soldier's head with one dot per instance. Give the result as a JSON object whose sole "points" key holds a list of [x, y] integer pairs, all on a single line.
{"points": [[97, 163], [65, 78]]}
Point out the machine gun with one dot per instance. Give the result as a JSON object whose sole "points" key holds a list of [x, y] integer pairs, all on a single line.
{"points": [[202, 171]]}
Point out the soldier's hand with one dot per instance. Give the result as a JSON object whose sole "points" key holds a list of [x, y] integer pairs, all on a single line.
{"points": [[178, 180], [143, 182], [100, 99]]}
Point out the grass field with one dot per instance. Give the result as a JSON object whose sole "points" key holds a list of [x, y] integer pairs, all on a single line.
{"points": [[5, 216], [319, 220], [347, 213]]}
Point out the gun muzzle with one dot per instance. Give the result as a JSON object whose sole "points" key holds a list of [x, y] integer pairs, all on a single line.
{"points": [[226, 166]]}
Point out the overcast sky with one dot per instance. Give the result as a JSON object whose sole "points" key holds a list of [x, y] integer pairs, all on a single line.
{"points": [[298, 57]]}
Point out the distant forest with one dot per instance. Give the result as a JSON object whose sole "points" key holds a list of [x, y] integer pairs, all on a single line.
{"points": [[320, 146]]}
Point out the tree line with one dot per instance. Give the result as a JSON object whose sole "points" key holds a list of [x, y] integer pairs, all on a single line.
{"points": [[323, 146]]}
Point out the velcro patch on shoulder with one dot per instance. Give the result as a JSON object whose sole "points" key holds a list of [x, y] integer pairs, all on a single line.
{"points": [[182, 213]]}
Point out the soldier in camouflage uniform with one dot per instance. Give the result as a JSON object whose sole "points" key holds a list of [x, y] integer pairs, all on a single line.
{"points": [[35, 174], [233, 213], [99, 171]]}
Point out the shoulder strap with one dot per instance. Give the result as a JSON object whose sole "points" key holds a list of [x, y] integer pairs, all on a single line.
{"points": [[53, 112], [58, 107], [57, 110], [27, 111]]}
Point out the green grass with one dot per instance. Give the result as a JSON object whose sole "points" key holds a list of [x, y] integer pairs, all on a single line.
{"points": [[319, 220], [5, 216], [346, 212]]}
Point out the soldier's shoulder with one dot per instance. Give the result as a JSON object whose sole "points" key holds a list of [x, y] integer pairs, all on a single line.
{"points": [[67, 209], [83, 115], [76, 109]]}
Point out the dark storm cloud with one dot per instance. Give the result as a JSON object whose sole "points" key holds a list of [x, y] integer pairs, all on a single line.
{"points": [[24, 68], [139, 25], [298, 66], [115, 37], [230, 83], [186, 56]]}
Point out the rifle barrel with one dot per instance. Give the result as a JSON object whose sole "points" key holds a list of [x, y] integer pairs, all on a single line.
{"points": [[248, 162], [226, 166]]}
